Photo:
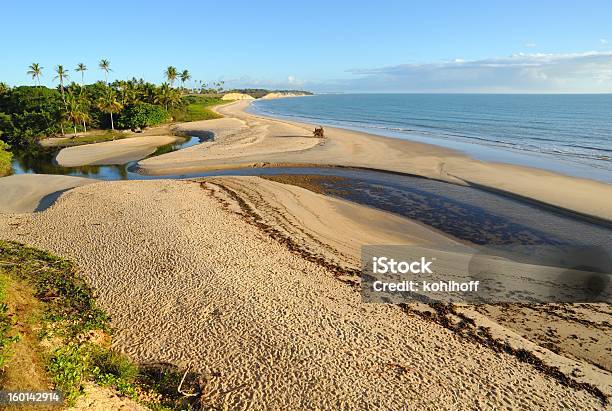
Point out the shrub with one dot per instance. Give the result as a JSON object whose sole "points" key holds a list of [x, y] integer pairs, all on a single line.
{"points": [[5, 159], [29, 113], [142, 115]]}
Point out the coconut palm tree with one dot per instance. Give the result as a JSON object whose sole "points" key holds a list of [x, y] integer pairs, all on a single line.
{"points": [[105, 66], [74, 109], [62, 74], [35, 70], [108, 103], [184, 77], [127, 93], [171, 74], [81, 68], [167, 96]]}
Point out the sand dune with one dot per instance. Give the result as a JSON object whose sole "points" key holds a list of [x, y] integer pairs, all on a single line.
{"points": [[189, 281], [255, 141]]}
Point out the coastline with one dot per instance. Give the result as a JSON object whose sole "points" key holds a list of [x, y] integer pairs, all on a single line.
{"points": [[245, 140], [166, 234]]}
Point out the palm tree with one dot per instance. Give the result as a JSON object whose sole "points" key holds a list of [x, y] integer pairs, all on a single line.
{"points": [[167, 96], [82, 68], [184, 77], [35, 70], [171, 74], [62, 74], [74, 110], [127, 93], [105, 65], [108, 103]]}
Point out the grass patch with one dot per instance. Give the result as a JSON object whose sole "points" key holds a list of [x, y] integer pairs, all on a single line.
{"points": [[6, 158], [94, 137], [53, 334], [8, 337], [197, 108]]}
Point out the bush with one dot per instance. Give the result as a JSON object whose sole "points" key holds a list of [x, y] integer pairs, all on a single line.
{"points": [[142, 115], [116, 364], [5, 159], [27, 113]]}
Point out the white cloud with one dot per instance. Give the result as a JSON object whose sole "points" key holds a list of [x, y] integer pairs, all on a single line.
{"points": [[530, 45], [522, 72], [290, 82], [603, 42], [588, 72]]}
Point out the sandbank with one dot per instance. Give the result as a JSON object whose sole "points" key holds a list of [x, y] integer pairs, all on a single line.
{"points": [[112, 152]]}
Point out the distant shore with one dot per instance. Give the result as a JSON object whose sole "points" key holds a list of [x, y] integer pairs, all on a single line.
{"points": [[247, 140]]}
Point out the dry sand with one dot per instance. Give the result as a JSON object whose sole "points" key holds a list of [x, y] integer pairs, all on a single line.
{"points": [[246, 140], [112, 152], [189, 281], [25, 193]]}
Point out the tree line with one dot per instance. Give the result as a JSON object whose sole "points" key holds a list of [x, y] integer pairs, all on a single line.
{"points": [[30, 112]]}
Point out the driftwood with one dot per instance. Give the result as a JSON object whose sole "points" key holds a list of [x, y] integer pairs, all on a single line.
{"points": [[318, 132]]}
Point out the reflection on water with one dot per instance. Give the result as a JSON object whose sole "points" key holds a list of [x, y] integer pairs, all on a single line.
{"points": [[41, 160]]}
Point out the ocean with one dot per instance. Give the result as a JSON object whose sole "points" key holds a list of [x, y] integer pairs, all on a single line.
{"points": [[569, 134]]}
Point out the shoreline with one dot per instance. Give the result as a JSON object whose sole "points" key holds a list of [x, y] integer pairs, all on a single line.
{"points": [[481, 152], [362, 150]]}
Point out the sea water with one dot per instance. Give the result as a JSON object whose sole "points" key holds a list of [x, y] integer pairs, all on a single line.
{"points": [[570, 134]]}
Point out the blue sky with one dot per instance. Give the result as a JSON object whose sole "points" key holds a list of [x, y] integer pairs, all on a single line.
{"points": [[389, 46]]}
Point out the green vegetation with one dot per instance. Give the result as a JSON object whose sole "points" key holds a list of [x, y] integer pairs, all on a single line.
{"points": [[5, 159], [7, 335], [197, 108], [141, 115], [49, 321], [29, 113], [95, 137]]}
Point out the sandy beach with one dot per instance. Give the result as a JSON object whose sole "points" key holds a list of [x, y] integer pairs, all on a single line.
{"points": [[246, 140], [189, 278]]}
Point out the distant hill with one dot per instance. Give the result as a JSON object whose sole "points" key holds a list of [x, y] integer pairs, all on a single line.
{"points": [[260, 92]]}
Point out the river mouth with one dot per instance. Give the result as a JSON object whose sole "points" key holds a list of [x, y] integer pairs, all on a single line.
{"points": [[469, 214]]}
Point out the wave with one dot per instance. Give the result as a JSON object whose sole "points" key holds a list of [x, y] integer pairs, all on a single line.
{"points": [[505, 130]]}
